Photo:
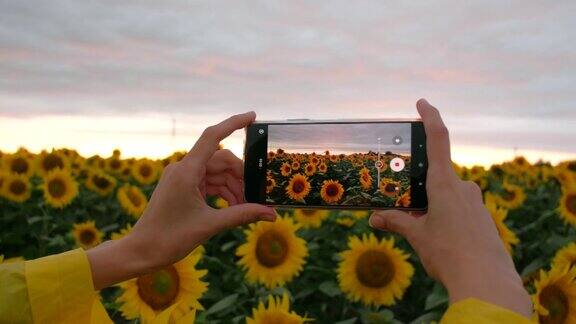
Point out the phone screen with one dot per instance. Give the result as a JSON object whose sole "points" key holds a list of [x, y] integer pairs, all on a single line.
{"points": [[359, 165]]}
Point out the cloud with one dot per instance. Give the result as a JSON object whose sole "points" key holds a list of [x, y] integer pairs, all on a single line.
{"points": [[289, 59]]}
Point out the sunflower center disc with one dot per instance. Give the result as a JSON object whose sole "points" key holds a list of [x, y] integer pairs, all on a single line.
{"points": [[571, 203], [56, 188], [508, 195], [271, 249], [52, 161], [87, 237], [298, 186], [19, 165], [17, 188], [374, 269], [390, 187], [145, 171], [100, 182], [268, 182], [115, 164], [159, 289], [136, 201], [332, 190], [556, 302]]}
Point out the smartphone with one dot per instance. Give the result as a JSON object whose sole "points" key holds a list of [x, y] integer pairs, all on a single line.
{"points": [[347, 164]]}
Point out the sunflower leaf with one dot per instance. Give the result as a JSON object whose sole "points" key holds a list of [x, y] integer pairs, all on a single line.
{"points": [[222, 304], [330, 288]]}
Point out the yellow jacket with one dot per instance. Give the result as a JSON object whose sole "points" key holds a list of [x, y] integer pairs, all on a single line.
{"points": [[59, 289]]}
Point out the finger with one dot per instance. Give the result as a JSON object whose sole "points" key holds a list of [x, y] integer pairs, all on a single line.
{"points": [[236, 186], [208, 142], [227, 195], [393, 221], [245, 214], [437, 137], [225, 179], [224, 160]]}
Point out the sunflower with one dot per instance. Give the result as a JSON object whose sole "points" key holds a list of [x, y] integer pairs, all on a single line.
{"points": [[310, 218], [404, 200], [365, 178], [374, 271], [389, 187], [19, 163], [178, 284], [123, 232], [295, 165], [331, 191], [555, 297], [59, 188], [15, 187], [278, 311], [314, 160], [132, 200], [114, 164], [565, 257], [100, 182], [567, 206], [322, 167], [271, 155], [521, 163], [47, 162], [512, 196], [285, 169], [334, 158], [273, 254], [498, 216], [298, 187], [145, 171], [86, 235], [270, 184], [310, 169], [346, 221], [221, 203]]}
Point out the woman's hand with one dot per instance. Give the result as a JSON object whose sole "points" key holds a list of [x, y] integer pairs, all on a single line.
{"points": [[177, 218], [456, 239]]}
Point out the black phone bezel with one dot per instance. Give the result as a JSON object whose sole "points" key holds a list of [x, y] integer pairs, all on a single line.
{"points": [[255, 158]]}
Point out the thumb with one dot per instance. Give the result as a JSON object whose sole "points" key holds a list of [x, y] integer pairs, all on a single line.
{"points": [[243, 214], [394, 221]]}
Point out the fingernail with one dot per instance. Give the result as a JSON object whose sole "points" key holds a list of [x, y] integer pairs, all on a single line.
{"points": [[376, 221], [422, 101], [268, 217]]}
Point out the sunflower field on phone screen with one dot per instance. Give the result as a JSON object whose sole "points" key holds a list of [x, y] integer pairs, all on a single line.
{"points": [[320, 265]]}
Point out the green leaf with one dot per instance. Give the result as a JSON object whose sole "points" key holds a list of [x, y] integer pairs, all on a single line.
{"points": [[427, 318], [348, 321], [223, 304], [438, 297], [330, 288], [227, 246], [533, 266]]}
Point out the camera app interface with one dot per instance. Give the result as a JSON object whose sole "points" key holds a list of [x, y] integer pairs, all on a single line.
{"points": [[339, 164]]}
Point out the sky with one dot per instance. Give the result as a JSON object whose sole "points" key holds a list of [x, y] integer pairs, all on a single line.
{"points": [[148, 76], [341, 138]]}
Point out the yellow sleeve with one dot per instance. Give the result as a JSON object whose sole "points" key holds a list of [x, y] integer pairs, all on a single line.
{"points": [[53, 289], [14, 306], [474, 311]]}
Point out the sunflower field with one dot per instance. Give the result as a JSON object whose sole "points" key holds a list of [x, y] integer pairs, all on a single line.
{"points": [[336, 179], [321, 265]]}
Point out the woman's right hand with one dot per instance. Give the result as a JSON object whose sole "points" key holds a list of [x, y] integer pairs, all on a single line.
{"points": [[456, 239]]}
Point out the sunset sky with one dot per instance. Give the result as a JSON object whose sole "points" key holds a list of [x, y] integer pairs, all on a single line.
{"points": [[341, 138], [148, 76]]}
